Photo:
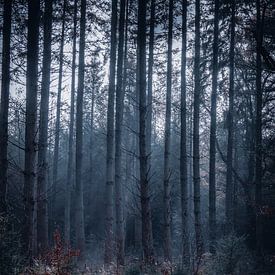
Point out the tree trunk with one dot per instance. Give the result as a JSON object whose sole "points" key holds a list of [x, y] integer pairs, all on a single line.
{"points": [[4, 110], [118, 138], [150, 79], [42, 198], [213, 130], [58, 114], [143, 157], [183, 146], [109, 218], [71, 136], [167, 143], [79, 211], [230, 120], [258, 138], [196, 134], [30, 130], [150, 103]]}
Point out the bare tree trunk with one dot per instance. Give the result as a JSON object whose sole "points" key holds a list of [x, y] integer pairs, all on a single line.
{"points": [[4, 110], [258, 138], [42, 198], [230, 141], [183, 145], [150, 79], [109, 218], [79, 208], [58, 113], [196, 134], [118, 138], [213, 130], [167, 143], [143, 157], [30, 130], [150, 103], [71, 136]]}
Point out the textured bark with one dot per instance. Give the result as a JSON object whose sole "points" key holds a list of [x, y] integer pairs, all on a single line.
{"points": [[183, 145], [230, 123], [149, 113], [143, 157], [58, 114], [71, 136], [30, 130], [213, 130], [118, 138], [79, 208], [42, 198], [4, 109], [196, 134], [150, 79], [109, 216], [167, 143], [258, 137]]}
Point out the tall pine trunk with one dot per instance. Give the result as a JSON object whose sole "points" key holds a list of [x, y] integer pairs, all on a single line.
{"points": [[4, 109], [58, 114], [150, 79], [79, 208], [149, 114], [183, 145], [143, 157], [118, 138], [167, 143], [230, 124], [196, 134], [30, 129], [213, 130], [258, 138], [67, 221], [109, 217], [42, 198]]}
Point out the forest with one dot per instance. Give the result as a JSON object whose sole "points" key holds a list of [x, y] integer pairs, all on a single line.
{"points": [[137, 137]]}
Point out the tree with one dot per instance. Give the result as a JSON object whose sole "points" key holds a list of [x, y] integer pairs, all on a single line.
{"points": [[118, 137], [30, 122], [71, 135], [167, 142], [183, 143], [258, 137], [79, 211], [110, 141], [196, 134], [213, 130], [58, 113], [42, 198], [143, 157], [4, 109], [230, 125]]}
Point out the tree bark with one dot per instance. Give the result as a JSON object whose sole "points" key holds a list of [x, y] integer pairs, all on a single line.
{"points": [[167, 143], [118, 138], [71, 136], [230, 141], [42, 198], [196, 134], [213, 130], [79, 208], [58, 114], [4, 110], [109, 218], [258, 138], [183, 145], [30, 130], [143, 157]]}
